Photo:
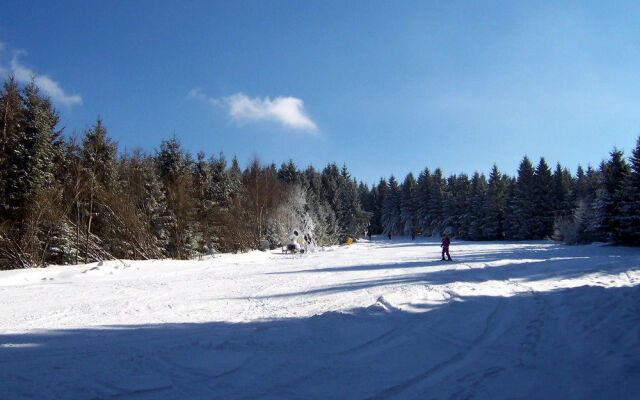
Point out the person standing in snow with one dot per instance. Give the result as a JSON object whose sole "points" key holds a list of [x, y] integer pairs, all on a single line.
{"points": [[445, 246]]}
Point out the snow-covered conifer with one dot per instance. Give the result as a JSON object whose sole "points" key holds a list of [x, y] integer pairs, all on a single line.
{"points": [[390, 217], [521, 205], [494, 207], [543, 201], [409, 205]]}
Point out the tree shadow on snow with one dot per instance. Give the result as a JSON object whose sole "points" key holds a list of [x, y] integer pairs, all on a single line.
{"points": [[576, 343], [528, 263]]}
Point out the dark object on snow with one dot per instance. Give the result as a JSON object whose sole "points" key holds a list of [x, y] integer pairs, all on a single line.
{"points": [[389, 234], [292, 248], [445, 247]]}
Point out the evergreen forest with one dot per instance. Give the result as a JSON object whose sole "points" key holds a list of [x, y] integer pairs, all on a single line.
{"points": [[69, 200]]}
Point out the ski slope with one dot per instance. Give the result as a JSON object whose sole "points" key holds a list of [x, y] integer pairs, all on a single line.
{"points": [[380, 320]]}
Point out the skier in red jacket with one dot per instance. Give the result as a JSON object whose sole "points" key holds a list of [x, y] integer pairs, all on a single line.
{"points": [[445, 246]]}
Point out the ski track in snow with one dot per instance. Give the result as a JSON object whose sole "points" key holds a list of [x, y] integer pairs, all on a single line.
{"points": [[375, 320]]}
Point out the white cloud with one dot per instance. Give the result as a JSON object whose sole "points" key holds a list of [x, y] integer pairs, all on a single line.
{"points": [[196, 93], [46, 84], [287, 111]]}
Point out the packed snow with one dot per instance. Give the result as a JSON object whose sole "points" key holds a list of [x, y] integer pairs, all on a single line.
{"points": [[378, 319]]}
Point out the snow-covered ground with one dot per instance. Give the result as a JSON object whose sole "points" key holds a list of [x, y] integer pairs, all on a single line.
{"points": [[380, 319]]}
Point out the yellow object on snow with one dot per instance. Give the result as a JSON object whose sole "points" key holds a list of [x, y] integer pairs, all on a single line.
{"points": [[349, 242]]}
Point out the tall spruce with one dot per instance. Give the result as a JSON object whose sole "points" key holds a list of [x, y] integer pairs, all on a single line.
{"points": [[380, 194], [390, 218], [423, 193], [494, 207], [629, 207], [435, 205], [610, 194], [475, 213], [543, 202], [409, 205], [30, 203], [521, 206], [177, 234]]}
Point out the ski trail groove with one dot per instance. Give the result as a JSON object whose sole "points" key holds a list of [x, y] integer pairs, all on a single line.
{"points": [[448, 365]]}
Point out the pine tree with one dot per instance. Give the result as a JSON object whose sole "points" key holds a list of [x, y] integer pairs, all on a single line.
{"points": [[30, 206], [203, 222], [325, 228], [562, 188], [367, 203], [543, 201], [609, 196], [351, 218], [494, 207], [456, 206], [423, 193], [12, 111], [390, 218], [629, 220], [99, 170], [521, 205], [409, 205], [288, 173], [475, 213], [435, 205], [380, 193], [176, 234], [592, 217]]}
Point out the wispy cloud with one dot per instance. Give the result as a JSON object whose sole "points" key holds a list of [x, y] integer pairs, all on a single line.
{"points": [[196, 93], [287, 111], [49, 86]]}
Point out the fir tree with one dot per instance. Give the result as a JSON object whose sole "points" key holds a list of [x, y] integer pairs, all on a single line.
{"points": [[562, 188], [435, 205], [521, 206], [423, 199], [390, 218], [494, 207], [380, 194], [30, 206], [352, 219], [629, 216], [543, 202], [409, 205], [609, 196], [288, 173], [475, 213], [177, 233], [12, 111], [456, 206], [99, 169]]}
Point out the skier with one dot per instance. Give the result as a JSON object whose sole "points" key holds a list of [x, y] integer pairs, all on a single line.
{"points": [[445, 247]]}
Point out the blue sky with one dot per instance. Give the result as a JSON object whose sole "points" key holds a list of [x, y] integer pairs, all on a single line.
{"points": [[385, 87]]}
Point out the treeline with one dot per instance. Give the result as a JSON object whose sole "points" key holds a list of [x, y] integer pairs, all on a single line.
{"points": [[594, 205], [71, 200], [68, 200]]}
